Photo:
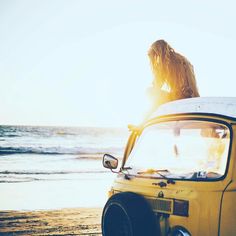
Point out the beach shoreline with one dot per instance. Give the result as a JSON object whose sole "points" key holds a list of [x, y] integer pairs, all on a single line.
{"points": [[69, 221]]}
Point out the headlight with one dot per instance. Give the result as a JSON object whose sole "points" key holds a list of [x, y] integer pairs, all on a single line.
{"points": [[180, 231]]}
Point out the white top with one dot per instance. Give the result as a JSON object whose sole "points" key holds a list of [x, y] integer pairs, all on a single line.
{"points": [[214, 105]]}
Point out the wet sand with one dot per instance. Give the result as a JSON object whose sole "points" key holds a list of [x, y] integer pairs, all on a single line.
{"points": [[74, 221]]}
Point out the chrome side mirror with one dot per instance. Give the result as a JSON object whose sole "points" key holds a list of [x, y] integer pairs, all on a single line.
{"points": [[110, 162]]}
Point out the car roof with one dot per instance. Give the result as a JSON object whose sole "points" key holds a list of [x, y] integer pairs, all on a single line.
{"points": [[225, 106]]}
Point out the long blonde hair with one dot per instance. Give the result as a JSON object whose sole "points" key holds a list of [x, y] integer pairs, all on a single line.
{"points": [[173, 71]]}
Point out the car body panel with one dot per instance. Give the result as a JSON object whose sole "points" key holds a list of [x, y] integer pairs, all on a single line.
{"points": [[212, 204]]}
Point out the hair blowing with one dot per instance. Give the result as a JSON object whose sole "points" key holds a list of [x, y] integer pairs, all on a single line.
{"points": [[172, 70]]}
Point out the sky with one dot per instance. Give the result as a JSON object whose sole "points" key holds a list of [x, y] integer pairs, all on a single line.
{"points": [[84, 63]]}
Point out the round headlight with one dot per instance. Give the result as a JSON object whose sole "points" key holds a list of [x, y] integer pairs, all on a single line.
{"points": [[179, 231]]}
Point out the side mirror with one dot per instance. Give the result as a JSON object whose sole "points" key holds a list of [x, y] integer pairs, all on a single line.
{"points": [[110, 162]]}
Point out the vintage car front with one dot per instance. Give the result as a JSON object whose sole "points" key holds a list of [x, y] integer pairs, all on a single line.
{"points": [[178, 173]]}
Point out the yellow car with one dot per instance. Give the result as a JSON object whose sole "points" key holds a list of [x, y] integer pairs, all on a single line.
{"points": [[178, 173]]}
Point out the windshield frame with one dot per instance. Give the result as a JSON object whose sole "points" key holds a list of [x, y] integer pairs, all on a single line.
{"points": [[185, 117]]}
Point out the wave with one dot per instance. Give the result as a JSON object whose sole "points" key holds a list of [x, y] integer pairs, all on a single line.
{"points": [[51, 172], [47, 131], [32, 176], [9, 136], [57, 150], [22, 150]]}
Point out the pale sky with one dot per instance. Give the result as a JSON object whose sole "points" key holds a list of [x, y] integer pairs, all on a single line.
{"points": [[85, 62]]}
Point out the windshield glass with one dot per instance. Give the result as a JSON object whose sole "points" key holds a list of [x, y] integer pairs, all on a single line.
{"points": [[182, 150]]}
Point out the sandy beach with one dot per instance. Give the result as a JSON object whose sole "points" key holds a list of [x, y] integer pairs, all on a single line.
{"points": [[52, 181], [73, 221]]}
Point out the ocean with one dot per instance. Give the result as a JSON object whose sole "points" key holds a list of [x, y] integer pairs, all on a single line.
{"points": [[56, 167]]}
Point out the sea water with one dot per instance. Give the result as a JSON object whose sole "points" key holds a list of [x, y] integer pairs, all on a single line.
{"points": [[56, 167]]}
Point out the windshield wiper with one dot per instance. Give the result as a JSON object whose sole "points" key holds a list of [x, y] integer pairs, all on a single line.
{"points": [[127, 168], [153, 171], [149, 171]]}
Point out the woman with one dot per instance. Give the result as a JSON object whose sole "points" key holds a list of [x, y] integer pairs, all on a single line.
{"points": [[173, 75]]}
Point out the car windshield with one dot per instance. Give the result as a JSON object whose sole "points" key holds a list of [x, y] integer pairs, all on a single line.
{"points": [[188, 149]]}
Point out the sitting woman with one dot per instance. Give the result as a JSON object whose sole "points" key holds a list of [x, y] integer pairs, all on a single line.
{"points": [[173, 75]]}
